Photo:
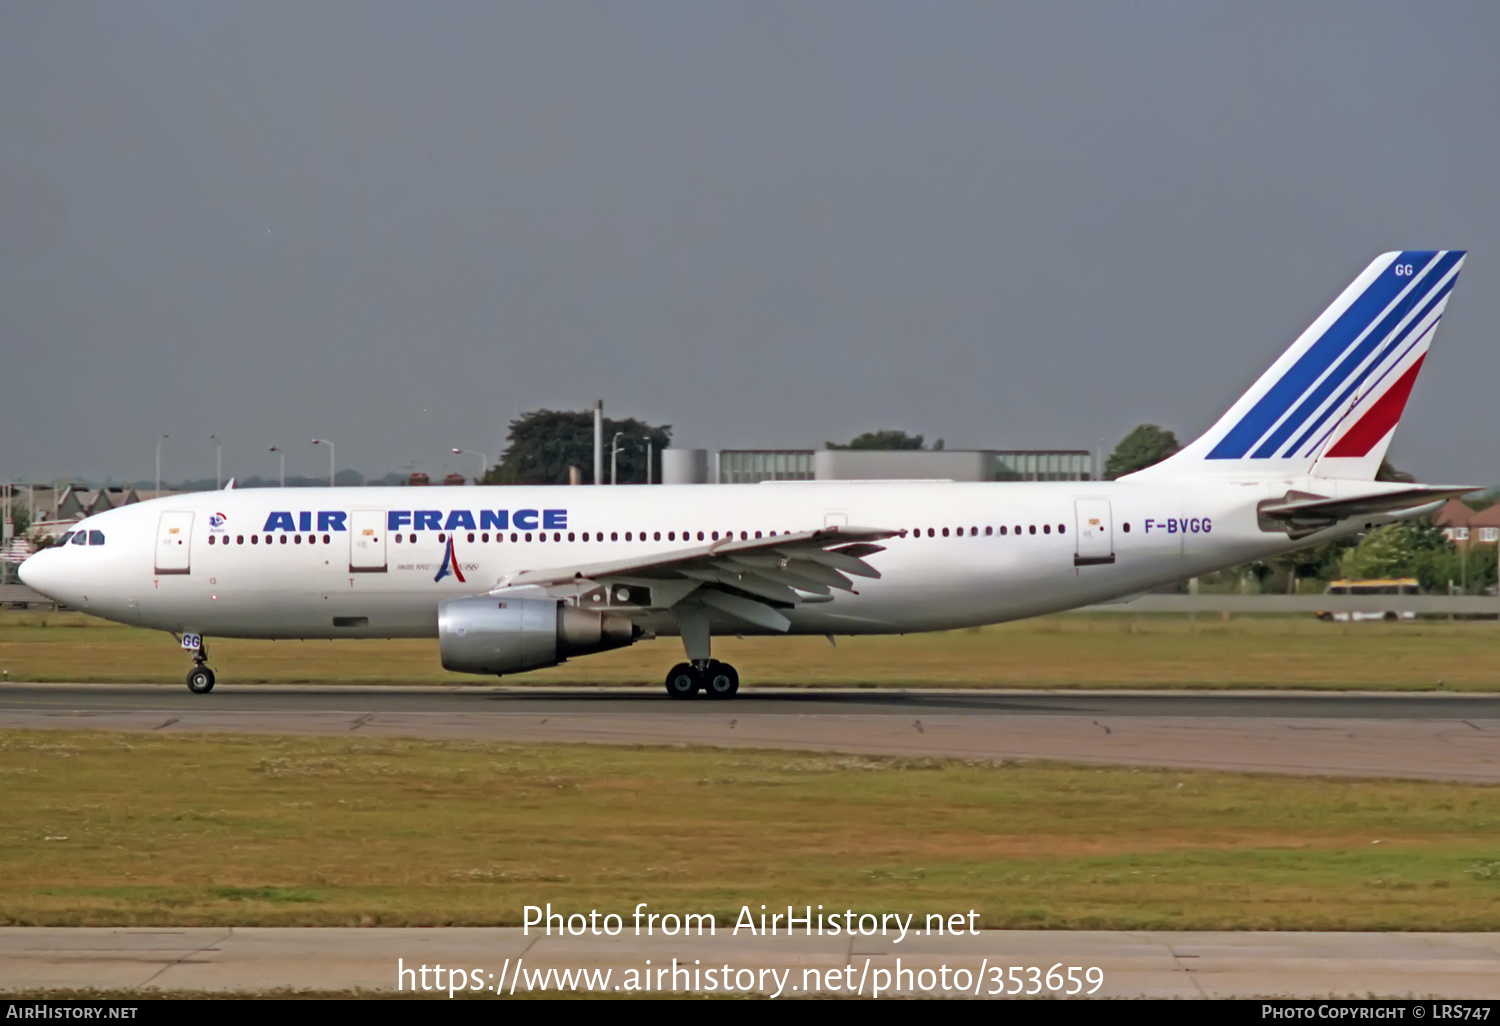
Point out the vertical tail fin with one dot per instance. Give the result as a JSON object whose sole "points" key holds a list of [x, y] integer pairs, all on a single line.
{"points": [[1329, 406]]}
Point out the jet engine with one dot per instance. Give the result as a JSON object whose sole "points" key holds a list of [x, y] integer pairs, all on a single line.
{"points": [[486, 634]]}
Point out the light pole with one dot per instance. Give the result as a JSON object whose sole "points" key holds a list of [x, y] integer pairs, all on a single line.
{"points": [[614, 458], [324, 441], [649, 454], [163, 438], [483, 470], [282, 454], [218, 461]]}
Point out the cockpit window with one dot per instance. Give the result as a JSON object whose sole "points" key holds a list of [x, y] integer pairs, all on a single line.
{"points": [[80, 538], [64, 539], [96, 537]]}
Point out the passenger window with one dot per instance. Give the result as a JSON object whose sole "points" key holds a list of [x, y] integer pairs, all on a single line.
{"points": [[931, 533], [671, 536], [1046, 528], [945, 532], [255, 539], [1018, 528], [528, 536], [297, 539], [442, 537], [541, 536], [988, 531], [745, 536], [471, 536], [658, 535], [1127, 527], [757, 534], [411, 539], [283, 539], [1033, 529], [1062, 529], [239, 539], [716, 536], [486, 536], [1002, 529], [211, 539], [700, 535], [627, 535], [615, 536]]}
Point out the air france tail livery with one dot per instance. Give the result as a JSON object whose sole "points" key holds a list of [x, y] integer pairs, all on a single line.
{"points": [[513, 579]]}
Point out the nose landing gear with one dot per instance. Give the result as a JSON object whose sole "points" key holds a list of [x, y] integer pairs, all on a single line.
{"points": [[200, 679]]}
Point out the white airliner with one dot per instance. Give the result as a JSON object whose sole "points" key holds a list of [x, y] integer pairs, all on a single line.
{"points": [[511, 579]]}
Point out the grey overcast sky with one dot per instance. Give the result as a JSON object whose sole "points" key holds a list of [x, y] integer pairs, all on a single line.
{"points": [[398, 225]]}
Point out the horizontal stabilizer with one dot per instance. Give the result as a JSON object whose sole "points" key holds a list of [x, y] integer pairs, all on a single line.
{"points": [[1299, 514]]}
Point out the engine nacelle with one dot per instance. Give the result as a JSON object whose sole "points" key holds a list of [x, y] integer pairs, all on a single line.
{"points": [[484, 634]]}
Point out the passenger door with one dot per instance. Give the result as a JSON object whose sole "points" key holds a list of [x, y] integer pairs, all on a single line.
{"points": [[367, 541], [1096, 537], [174, 543]]}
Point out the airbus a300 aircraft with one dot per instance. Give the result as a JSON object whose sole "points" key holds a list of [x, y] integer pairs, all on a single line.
{"points": [[511, 579]]}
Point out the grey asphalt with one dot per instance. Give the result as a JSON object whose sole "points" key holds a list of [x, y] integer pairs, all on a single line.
{"points": [[651, 702], [493, 960], [1426, 736]]}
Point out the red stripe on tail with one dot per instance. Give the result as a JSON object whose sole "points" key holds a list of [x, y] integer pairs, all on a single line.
{"points": [[1379, 419]]}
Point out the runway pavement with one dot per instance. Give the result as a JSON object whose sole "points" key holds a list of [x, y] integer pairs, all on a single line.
{"points": [[493, 960], [1426, 736]]}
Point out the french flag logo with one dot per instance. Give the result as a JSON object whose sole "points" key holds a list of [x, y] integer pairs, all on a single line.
{"points": [[450, 564]]}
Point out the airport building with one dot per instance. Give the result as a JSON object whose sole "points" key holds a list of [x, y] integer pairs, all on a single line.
{"points": [[749, 466]]}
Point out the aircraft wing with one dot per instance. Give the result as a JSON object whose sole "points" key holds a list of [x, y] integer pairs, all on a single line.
{"points": [[748, 580], [1306, 514]]}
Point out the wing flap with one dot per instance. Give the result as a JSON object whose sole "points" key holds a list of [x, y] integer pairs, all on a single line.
{"points": [[752, 612], [812, 546]]}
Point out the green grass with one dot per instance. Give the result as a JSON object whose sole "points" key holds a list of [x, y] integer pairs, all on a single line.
{"points": [[110, 829], [1068, 651]]}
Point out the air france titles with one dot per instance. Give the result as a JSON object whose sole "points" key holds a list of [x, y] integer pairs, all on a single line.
{"points": [[425, 520]]}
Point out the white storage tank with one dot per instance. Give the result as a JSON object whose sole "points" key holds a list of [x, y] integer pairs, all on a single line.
{"points": [[684, 466]]}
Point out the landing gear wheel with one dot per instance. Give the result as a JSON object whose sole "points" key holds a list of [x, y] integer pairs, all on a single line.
{"points": [[721, 680], [683, 681], [201, 680]]}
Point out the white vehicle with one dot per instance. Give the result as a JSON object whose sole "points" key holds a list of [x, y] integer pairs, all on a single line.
{"points": [[511, 579]]}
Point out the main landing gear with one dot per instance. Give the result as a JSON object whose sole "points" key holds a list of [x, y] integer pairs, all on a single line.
{"points": [[701, 672], [716, 679], [200, 679]]}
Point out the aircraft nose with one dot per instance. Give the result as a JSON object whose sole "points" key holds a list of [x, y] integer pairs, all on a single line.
{"points": [[37, 575]]}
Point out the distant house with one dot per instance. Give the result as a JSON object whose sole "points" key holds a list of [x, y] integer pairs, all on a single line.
{"points": [[76, 503], [1464, 526]]}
